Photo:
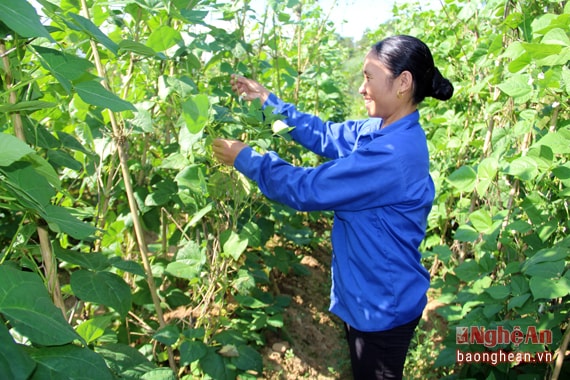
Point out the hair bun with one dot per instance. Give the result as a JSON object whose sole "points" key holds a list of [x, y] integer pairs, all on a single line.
{"points": [[441, 88]]}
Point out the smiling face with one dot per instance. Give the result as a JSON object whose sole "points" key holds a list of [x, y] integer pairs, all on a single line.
{"points": [[378, 87], [380, 90]]}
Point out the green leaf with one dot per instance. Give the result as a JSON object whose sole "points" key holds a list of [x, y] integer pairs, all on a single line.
{"points": [[275, 320], [217, 367], [481, 284], [125, 361], [44, 169], [192, 350], [233, 244], [196, 111], [519, 63], [71, 142], [556, 36], [94, 328], [60, 219], [189, 262], [542, 50], [30, 105], [518, 301], [523, 167], [545, 255], [486, 173], [21, 17], [64, 67], [482, 221], [248, 359], [192, 178], [463, 179], [499, 292], [229, 351], [60, 158], [93, 31], [244, 282], [38, 135], [250, 302], [127, 266], [161, 373], [13, 149], [15, 363], [466, 233], [443, 252], [31, 190], [558, 141], [517, 87], [164, 38], [136, 48], [26, 304], [467, 270], [72, 362], [143, 118], [167, 335], [547, 288], [193, 16], [252, 232], [94, 93], [94, 261], [447, 357], [103, 288], [491, 310], [200, 214], [552, 269]]}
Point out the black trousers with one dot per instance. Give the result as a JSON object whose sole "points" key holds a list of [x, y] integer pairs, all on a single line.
{"points": [[379, 355]]}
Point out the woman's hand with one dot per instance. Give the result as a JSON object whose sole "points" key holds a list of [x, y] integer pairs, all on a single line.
{"points": [[226, 151], [248, 89]]}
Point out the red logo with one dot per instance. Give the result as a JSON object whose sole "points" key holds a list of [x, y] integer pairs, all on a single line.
{"points": [[462, 335]]}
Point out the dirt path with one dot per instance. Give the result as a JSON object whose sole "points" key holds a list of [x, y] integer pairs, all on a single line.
{"points": [[311, 344]]}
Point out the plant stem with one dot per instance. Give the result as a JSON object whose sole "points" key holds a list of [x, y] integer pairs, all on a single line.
{"points": [[118, 135], [50, 267], [48, 259], [9, 80], [561, 354]]}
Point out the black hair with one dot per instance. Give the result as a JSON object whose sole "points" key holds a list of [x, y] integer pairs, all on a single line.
{"points": [[407, 53]]}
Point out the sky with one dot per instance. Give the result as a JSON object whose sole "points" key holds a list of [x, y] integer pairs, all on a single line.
{"points": [[353, 17]]}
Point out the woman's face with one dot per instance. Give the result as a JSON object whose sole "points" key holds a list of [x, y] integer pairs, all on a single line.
{"points": [[378, 90]]}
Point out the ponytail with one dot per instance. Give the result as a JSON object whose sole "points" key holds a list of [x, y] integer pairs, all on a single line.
{"points": [[407, 53]]}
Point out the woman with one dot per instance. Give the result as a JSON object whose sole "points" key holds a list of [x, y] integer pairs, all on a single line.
{"points": [[379, 187]]}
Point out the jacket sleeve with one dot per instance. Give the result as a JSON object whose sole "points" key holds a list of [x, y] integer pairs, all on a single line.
{"points": [[367, 178], [328, 139]]}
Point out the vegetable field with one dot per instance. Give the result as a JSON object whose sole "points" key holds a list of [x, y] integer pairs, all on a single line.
{"points": [[127, 251]]}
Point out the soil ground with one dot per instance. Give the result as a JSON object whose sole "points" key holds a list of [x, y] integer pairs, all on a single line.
{"points": [[311, 344]]}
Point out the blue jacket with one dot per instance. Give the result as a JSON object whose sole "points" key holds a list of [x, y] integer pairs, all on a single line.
{"points": [[379, 187]]}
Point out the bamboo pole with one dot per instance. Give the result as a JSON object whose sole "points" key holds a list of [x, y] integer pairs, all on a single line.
{"points": [[49, 262], [119, 137]]}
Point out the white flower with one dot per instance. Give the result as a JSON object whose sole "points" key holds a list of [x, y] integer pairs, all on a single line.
{"points": [[278, 126]]}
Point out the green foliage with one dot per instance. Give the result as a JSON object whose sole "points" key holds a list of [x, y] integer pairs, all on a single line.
{"points": [[497, 241], [104, 102]]}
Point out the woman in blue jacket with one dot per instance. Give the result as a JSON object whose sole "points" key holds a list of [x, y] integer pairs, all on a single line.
{"points": [[378, 184]]}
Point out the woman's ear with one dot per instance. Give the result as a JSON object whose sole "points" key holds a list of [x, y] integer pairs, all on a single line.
{"points": [[406, 81]]}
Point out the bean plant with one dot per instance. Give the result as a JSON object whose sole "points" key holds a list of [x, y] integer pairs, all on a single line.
{"points": [[126, 251], [497, 245]]}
